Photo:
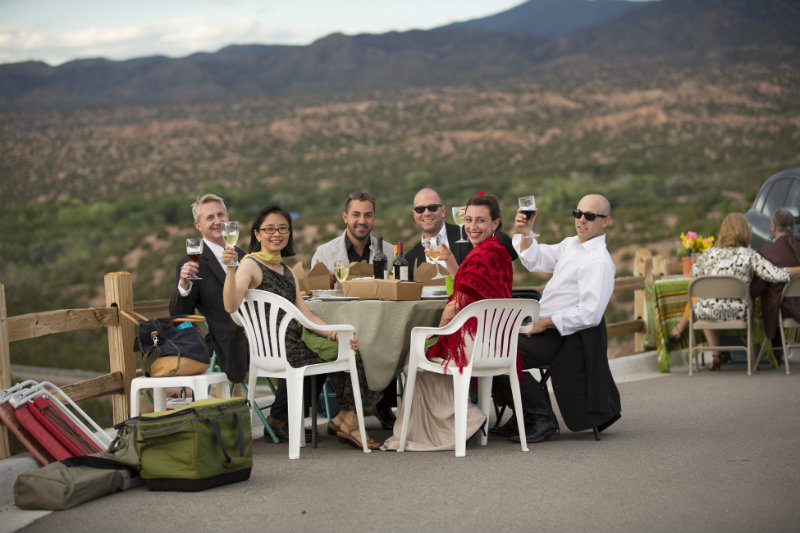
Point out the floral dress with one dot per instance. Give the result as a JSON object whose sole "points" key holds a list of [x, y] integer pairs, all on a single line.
{"points": [[737, 261]]}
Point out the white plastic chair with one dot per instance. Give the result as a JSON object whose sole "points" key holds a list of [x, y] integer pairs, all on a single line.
{"points": [[266, 334], [494, 353], [719, 287], [790, 290], [199, 383]]}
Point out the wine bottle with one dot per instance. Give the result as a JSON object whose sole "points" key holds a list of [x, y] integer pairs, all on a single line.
{"points": [[379, 261], [400, 264]]}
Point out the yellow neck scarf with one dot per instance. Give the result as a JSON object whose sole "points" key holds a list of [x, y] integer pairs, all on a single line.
{"points": [[265, 257]]}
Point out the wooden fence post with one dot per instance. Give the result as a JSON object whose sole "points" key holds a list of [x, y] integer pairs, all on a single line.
{"points": [[119, 293], [5, 369], [643, 266]]}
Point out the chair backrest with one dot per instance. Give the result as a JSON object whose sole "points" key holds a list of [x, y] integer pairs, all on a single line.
{"points": [[499, 322], [718, 287], [265, 316], [791, 289]]}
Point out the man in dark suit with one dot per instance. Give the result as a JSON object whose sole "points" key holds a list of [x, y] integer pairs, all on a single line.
{"points": [[783, 252], [205, 295], [429, 213]]}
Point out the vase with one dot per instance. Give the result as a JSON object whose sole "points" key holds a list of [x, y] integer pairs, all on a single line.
{"points": [[686, 264]]}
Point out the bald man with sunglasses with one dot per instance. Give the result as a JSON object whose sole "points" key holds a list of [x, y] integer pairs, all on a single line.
{"points": [[570, 335]]}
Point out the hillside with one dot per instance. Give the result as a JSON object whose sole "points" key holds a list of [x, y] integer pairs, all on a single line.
{"points": [[676, 137]]}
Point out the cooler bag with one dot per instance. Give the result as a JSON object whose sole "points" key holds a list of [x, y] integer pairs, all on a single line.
{"points": [[205, 444]]}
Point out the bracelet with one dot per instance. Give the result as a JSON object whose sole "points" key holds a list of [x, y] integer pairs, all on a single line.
{"points": [[330, 334]]}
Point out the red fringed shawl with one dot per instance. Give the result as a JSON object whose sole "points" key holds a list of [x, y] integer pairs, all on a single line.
{"points": [[485, 273]]}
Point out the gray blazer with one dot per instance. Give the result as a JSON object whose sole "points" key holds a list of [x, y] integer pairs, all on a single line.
{"points": [[335, 249]]}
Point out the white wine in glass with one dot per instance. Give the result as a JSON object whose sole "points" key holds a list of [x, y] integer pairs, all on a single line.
{"points": [[194, 249], [458, 218], [341, 269], [433, 249], [230, 232]]}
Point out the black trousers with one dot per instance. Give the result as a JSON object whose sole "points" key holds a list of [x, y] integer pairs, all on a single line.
{"points": [[535, 351]]}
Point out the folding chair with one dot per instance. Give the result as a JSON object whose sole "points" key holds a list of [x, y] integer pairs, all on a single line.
{"points": [[719, 287], [787, 325]]}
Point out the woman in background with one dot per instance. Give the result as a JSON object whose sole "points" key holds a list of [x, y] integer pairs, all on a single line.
{"points": [[783, 252]]}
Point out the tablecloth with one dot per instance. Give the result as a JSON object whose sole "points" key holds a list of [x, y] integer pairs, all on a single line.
{"points": [[383, 329]]}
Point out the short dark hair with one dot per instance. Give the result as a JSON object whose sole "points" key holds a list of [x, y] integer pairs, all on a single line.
{"points": [[255, 245], [490, 201], [360, 196]]}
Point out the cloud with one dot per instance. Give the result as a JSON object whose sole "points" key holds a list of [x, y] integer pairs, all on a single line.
{"points": [[175, 37]]}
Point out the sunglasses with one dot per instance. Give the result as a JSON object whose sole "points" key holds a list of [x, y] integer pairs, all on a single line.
{"points": [[588, 214], [432, 208]]}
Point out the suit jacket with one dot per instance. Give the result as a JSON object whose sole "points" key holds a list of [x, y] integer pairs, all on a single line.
{"points": [[582, 382], [459, 250], [227, 339], [779, 254]]}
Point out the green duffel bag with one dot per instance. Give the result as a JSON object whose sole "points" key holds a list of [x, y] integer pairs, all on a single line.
{"points": [[205, 444]]}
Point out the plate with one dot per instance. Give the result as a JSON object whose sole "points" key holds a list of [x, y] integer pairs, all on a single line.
{"points": [[337, 298], [434, 297]]}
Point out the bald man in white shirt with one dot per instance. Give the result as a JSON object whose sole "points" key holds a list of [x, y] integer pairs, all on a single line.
{"points": [[569, 336]]}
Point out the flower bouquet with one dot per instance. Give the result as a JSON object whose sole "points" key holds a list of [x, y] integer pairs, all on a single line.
{"points": [[693, 243]]}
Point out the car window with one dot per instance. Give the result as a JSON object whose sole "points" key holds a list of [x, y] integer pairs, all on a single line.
{"points": [[776, 198], [758, 205], [793, 198]]}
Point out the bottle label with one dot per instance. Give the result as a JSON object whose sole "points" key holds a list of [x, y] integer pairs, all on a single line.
{"points": [[403, 272]]}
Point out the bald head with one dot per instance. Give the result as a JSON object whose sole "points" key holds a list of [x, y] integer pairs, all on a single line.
{"points": [[589, 229], [429, 222]]}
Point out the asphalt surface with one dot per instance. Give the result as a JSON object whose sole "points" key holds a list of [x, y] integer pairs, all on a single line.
{"points": [[712, 452]]}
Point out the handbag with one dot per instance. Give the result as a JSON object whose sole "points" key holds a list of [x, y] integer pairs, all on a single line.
{"points": [[170, 346]]}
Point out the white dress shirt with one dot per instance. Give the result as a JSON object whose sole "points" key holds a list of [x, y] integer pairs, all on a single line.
{"points": [[217, 250], [578, 293]]}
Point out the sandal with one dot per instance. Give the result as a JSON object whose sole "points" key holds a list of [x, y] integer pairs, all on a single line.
{"points": [[345, 434], [332, 428]]}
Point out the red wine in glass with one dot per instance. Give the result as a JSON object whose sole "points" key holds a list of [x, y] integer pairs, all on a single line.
{"points": [[194, 248]]}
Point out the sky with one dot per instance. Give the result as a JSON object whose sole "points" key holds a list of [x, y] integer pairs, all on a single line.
{"points": [[57, 31]]}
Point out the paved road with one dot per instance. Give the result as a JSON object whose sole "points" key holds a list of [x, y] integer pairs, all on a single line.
{"points": [[714, 452]]}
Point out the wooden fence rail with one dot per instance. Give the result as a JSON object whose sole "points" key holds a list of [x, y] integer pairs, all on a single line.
{"points": [[122, 362]]}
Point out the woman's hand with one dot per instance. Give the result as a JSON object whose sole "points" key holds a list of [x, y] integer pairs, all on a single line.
{"points": [[354, 342]]}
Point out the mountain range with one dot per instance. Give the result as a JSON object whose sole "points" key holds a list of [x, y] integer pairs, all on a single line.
{"points": [[542, 40]]}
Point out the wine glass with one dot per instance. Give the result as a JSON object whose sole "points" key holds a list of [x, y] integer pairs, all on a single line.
{"points": [[433, 249], [341, 269], [230, 232], [194, 248], [527, 205], [458, 218]]}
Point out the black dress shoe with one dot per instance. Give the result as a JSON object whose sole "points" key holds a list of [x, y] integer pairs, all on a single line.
{"points": [[509, 429], [283, 434], [541, 429], [385, 416]]}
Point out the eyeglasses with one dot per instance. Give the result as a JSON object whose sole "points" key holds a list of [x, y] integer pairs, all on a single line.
{"points": [[269, 230], [588, 214], [432, 208]]}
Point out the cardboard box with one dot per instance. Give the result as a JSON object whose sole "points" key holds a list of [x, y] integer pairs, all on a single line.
{"points": [[383, 289], [318, 278], [425, 272]]}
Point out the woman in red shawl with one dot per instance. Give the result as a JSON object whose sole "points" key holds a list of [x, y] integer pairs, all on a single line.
{"points": [[486, 272]]}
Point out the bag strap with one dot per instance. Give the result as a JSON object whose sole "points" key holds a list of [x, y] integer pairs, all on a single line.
{"points": [[97, 462], [215, 426], [189, 318], [133, 316]]}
